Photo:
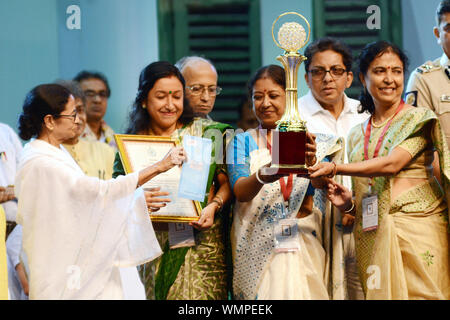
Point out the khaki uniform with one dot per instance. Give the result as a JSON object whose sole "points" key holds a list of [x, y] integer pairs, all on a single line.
{"points": [[429, 86]]}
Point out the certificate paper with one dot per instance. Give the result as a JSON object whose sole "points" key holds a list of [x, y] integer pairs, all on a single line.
{"points": [[194, 173], [138, 152]]}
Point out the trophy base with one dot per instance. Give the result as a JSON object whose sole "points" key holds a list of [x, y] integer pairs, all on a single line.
{"points": [[286, 169], [289, 153]]}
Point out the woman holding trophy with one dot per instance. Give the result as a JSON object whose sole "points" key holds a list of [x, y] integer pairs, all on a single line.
{"points": [[266, 265], [402, 195]]}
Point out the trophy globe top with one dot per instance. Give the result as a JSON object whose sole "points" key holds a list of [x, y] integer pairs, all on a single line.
{"points": [[292, 36]]}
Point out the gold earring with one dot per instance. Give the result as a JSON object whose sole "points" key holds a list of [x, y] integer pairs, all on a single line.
{"points": [[144, 106]]}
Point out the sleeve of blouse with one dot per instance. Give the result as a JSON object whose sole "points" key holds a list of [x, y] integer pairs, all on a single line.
{"points": [[417, 142], [238, 157]]}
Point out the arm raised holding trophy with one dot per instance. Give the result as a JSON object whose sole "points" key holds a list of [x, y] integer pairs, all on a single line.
{"points": [[275, 211]]}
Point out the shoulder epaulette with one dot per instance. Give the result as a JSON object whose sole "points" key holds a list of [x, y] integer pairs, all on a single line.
{"points": [[428, 67]]}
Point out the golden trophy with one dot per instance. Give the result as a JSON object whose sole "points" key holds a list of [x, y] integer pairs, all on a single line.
{"points": [[289, 138]]}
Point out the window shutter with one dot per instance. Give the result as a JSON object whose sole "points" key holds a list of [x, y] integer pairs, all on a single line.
{"points": [[228, 34], [346, 20]]}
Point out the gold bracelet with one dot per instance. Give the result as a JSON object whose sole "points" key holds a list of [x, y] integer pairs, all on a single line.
{"points": [[218, 204], [220, 200], [351, 209]]}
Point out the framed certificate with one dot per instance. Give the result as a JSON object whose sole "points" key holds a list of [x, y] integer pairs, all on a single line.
{"points": [[139, 151]]}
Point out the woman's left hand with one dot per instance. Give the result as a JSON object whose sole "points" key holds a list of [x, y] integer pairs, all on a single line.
{"points": [[206, 218], [311, 148]]}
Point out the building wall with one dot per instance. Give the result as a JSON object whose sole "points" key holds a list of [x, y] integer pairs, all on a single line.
{"points": [[270, 10], [418, 39], [29, 51], [120, 37]]}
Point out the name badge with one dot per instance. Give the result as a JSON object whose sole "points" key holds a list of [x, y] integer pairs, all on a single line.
{"points": [[286, 236], [181, 235], [370, 212], [445, 98]]}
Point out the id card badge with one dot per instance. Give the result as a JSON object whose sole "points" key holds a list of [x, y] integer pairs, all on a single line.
{"points": [[370, 212], [286, 235], [181, 235]]}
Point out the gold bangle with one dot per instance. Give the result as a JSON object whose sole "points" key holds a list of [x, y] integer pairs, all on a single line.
{"points": [[351, 209], [218, 204]]}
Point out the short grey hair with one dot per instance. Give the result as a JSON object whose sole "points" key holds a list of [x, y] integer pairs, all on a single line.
{"points": [[74, 88], [186, 61]]}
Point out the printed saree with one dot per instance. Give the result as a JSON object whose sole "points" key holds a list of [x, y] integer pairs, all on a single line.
{"points": [[259, 272], [198, 272], [407, 256]]}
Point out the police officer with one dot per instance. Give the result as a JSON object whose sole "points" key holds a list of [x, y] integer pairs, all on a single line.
{"points": [[429, 84]]}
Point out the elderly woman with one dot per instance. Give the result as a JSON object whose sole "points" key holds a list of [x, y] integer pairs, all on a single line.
{"points": [[261, 269], [77, 230], [196, 272], [402, 248]]}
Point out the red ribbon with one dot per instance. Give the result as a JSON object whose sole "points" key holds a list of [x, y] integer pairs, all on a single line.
{"points": [[380, 140], [286, 190]]}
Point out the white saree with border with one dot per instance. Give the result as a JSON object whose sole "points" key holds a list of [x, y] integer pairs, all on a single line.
{"points": [[78, 230]]}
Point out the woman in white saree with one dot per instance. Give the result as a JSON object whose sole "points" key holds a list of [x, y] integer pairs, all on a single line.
{"points": [[261, 270], [77, 230]]}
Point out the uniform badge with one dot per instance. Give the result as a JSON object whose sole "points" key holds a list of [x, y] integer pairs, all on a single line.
{"points": [[411, 98], [447, 71]]}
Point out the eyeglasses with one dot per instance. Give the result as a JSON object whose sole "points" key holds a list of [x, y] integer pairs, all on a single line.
{"points": [[73, 115], [92, 94], [319, 73], [198, 89]]}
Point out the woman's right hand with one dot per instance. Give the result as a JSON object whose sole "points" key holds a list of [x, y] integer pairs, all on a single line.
{"points": [[173, 158], [341, 198], [154, 203], [267, 176]]}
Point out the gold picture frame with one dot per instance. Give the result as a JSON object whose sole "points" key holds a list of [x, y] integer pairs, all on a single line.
{"points": [[139, 151]]}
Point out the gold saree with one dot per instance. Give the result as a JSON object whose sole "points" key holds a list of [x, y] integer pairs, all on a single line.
{"points": [[407, 256]]}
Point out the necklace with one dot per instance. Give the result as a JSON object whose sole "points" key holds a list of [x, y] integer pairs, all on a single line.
{"points": [[388, 119]]}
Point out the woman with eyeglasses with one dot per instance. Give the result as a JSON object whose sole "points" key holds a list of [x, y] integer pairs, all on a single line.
{"points": [[400, 165], [195, 272], [299, 268], [77, 230]]}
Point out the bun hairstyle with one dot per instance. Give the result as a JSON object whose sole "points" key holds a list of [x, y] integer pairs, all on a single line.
{"points": [[139, 119], [271, 71], [42, 100], [370, 52]]}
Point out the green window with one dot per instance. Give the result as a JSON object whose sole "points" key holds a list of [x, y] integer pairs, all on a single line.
{"points": [[227, 32], [347, 21]]}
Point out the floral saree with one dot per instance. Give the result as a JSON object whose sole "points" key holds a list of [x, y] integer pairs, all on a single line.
{"points": [[198, 272], [407, 256], [261, 273]]}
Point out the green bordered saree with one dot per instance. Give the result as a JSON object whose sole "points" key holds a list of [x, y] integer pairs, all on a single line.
{"points": [[199, 272]]}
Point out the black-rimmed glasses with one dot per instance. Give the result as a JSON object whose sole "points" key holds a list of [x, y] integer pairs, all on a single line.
{"points": [[318, 73], [73, 115]]}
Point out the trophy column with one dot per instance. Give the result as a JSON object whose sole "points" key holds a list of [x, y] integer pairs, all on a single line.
{"points": [[289, 139]]}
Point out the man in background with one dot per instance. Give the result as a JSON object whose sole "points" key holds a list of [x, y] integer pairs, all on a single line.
{"points": [[201, 84], [429, 84], [327, 109], [97, 92]]}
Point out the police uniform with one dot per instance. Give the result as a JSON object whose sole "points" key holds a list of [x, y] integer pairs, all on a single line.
{"points": [[429, 86]]}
